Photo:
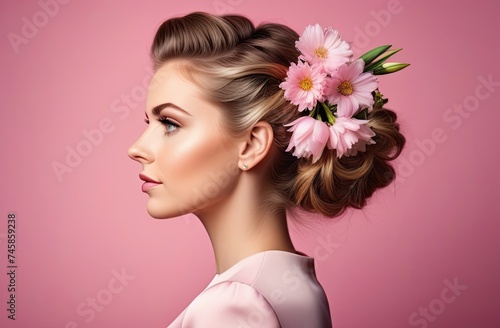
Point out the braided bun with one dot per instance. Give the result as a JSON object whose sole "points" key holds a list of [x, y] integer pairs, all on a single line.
{"points": [[332, 185]]}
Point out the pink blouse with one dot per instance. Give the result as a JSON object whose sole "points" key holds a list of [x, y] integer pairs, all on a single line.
{"points": [[267, 289]]}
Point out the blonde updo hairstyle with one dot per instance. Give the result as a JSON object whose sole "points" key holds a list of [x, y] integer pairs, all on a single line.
{"points": [[240, 68]]}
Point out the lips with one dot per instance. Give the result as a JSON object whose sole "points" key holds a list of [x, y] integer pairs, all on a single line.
{"points": [[148, 182], [145, 178]]}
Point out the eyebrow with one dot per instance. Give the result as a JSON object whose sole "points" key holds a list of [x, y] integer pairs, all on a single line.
{"points": [[157, 109]]}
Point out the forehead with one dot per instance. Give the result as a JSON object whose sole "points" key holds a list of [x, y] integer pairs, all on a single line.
{"points": [[168, 84]]}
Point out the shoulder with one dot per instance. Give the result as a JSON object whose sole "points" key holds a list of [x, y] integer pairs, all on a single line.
{"points": [[230, 304]]}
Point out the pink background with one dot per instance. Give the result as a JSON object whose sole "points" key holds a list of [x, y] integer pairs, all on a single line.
{"points": [[438, 225]]}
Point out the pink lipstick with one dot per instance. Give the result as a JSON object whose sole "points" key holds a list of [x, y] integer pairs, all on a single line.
{"points": [[148, 182]]}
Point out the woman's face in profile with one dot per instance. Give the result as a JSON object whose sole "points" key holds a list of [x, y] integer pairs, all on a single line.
{"points": [[184, 149]]}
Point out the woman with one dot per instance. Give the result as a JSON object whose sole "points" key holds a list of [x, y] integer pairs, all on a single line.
{"points": [[217, 146]]}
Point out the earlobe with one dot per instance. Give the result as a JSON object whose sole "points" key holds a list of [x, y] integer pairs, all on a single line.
{"points": [[257, 145]]}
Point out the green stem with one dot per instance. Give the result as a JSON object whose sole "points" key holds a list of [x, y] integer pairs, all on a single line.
{"points": [[329, 115], [313, 112]]}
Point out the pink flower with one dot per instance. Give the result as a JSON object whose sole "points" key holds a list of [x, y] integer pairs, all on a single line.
{"points": [[304, 85], [348, 132], [360, 146], [323, 47], [309, 137], [350, 88]]}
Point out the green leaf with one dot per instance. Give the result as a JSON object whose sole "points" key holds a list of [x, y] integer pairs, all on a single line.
{"points": [[388, 68], [374, 53], [379, 99], [362, 115], [379, 62], [329, 115]]}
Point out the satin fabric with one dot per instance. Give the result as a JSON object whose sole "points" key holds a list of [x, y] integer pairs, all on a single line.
{"points": [[268, 289]]}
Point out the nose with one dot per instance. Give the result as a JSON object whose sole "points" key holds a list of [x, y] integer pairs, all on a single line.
{"points": [[140, 152]]}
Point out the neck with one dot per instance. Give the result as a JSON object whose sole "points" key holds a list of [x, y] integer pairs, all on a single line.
{"points": [[239, 226]]}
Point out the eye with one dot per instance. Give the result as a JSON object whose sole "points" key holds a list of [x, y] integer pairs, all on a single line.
{"points": [[170, 125]]}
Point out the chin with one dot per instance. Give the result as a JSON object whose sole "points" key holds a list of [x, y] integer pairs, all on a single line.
{"points": [[163, 214], [164, 211]]}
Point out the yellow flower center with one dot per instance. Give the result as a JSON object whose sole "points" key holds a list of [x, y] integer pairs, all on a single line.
{"points": [[345, 88], [321, 52], [306, 84]]}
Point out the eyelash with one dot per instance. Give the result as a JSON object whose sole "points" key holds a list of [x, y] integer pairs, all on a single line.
{"points": [[166, 122]]}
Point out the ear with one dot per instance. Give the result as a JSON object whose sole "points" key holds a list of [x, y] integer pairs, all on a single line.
{"points": [[256, 146]]}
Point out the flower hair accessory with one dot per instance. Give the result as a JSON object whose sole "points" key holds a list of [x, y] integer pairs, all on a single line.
{"points": [[335, 92]]}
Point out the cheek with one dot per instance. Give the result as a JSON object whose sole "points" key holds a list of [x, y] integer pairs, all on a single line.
{"points": [[197, 168]]}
